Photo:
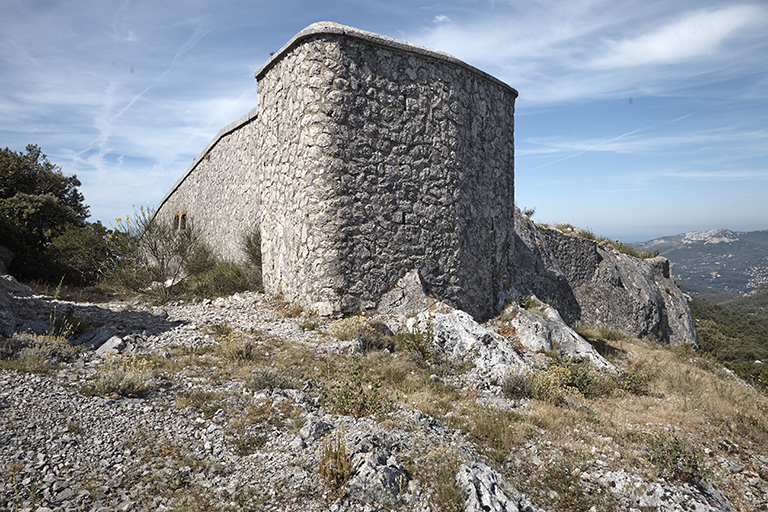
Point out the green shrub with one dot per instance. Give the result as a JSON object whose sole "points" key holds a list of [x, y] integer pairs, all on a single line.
{"points": [[356, 395], [417, 341], [82, 255], [675, 458]]}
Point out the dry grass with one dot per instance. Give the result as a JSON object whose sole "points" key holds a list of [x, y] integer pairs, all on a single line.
{"points": [[688, 412], [685, 403]]}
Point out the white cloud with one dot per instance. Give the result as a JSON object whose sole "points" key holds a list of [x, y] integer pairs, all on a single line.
{"points": [[699, 34], [579, 50], [441, 18]]}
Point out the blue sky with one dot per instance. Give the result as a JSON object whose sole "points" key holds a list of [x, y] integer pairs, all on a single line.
{"points": [[635, 119]]}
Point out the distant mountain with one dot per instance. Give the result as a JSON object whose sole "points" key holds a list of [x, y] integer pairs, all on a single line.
{"points": [[719, 265]]}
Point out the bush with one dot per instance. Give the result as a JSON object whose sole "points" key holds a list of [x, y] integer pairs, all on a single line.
{"points": [[356, 396], [32, 352], [417, 341], [636, 377], [82, 255], [159, 256], [515, 385], [555, 382], [128, 376], [152, 252], [550, 385], [676, 459]]}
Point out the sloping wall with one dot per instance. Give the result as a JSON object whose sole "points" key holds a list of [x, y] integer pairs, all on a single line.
{"points": [[220, 189]]}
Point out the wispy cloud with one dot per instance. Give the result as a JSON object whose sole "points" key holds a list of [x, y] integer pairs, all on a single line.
{"points": [[697, 35], [555, 51], [753, 143]]}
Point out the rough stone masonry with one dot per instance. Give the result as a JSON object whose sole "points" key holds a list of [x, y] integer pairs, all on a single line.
{"points": [[366, 158]]}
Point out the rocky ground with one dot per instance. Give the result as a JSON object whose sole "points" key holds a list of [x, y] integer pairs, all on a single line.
{"points": [[245, 403]]}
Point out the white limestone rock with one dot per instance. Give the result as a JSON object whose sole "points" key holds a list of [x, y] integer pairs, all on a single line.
{"points": [[542, 329], [487, 491], [457, 336]]}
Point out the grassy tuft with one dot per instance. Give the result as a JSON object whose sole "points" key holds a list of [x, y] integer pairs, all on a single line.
{"points": [[440, 468], [129, 376], [335, 463]]}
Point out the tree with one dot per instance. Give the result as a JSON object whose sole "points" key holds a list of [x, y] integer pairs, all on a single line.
{"points": [[38, 204]]}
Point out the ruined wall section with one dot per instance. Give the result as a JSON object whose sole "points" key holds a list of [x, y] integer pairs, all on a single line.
{"points": [[379, 160], [220, 189]]}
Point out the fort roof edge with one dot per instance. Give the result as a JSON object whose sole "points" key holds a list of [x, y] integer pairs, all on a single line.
{"points": [[330, 27]]}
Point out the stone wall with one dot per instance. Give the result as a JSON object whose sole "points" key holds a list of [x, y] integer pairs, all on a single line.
{"points": [[220, 189], [367, 158]]}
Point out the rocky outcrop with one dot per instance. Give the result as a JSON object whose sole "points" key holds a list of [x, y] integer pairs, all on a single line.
{"points": [[458, 337], [620, 291], [10, 288], [486, 490], [542, 330], [591, 283]]}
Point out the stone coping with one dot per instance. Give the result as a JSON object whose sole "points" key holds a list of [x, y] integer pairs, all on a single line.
{"points": [[231, 127], [329, 27]]}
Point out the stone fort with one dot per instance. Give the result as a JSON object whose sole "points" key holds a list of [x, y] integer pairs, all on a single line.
{"points": [[365, 158]]}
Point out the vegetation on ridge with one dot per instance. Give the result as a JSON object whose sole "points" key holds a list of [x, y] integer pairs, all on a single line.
{"points": [[737, 340], [569, 229]]}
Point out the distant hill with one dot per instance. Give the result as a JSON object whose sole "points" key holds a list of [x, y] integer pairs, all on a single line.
{"points": [[737, 340], [754, 303], [720, 265]]}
